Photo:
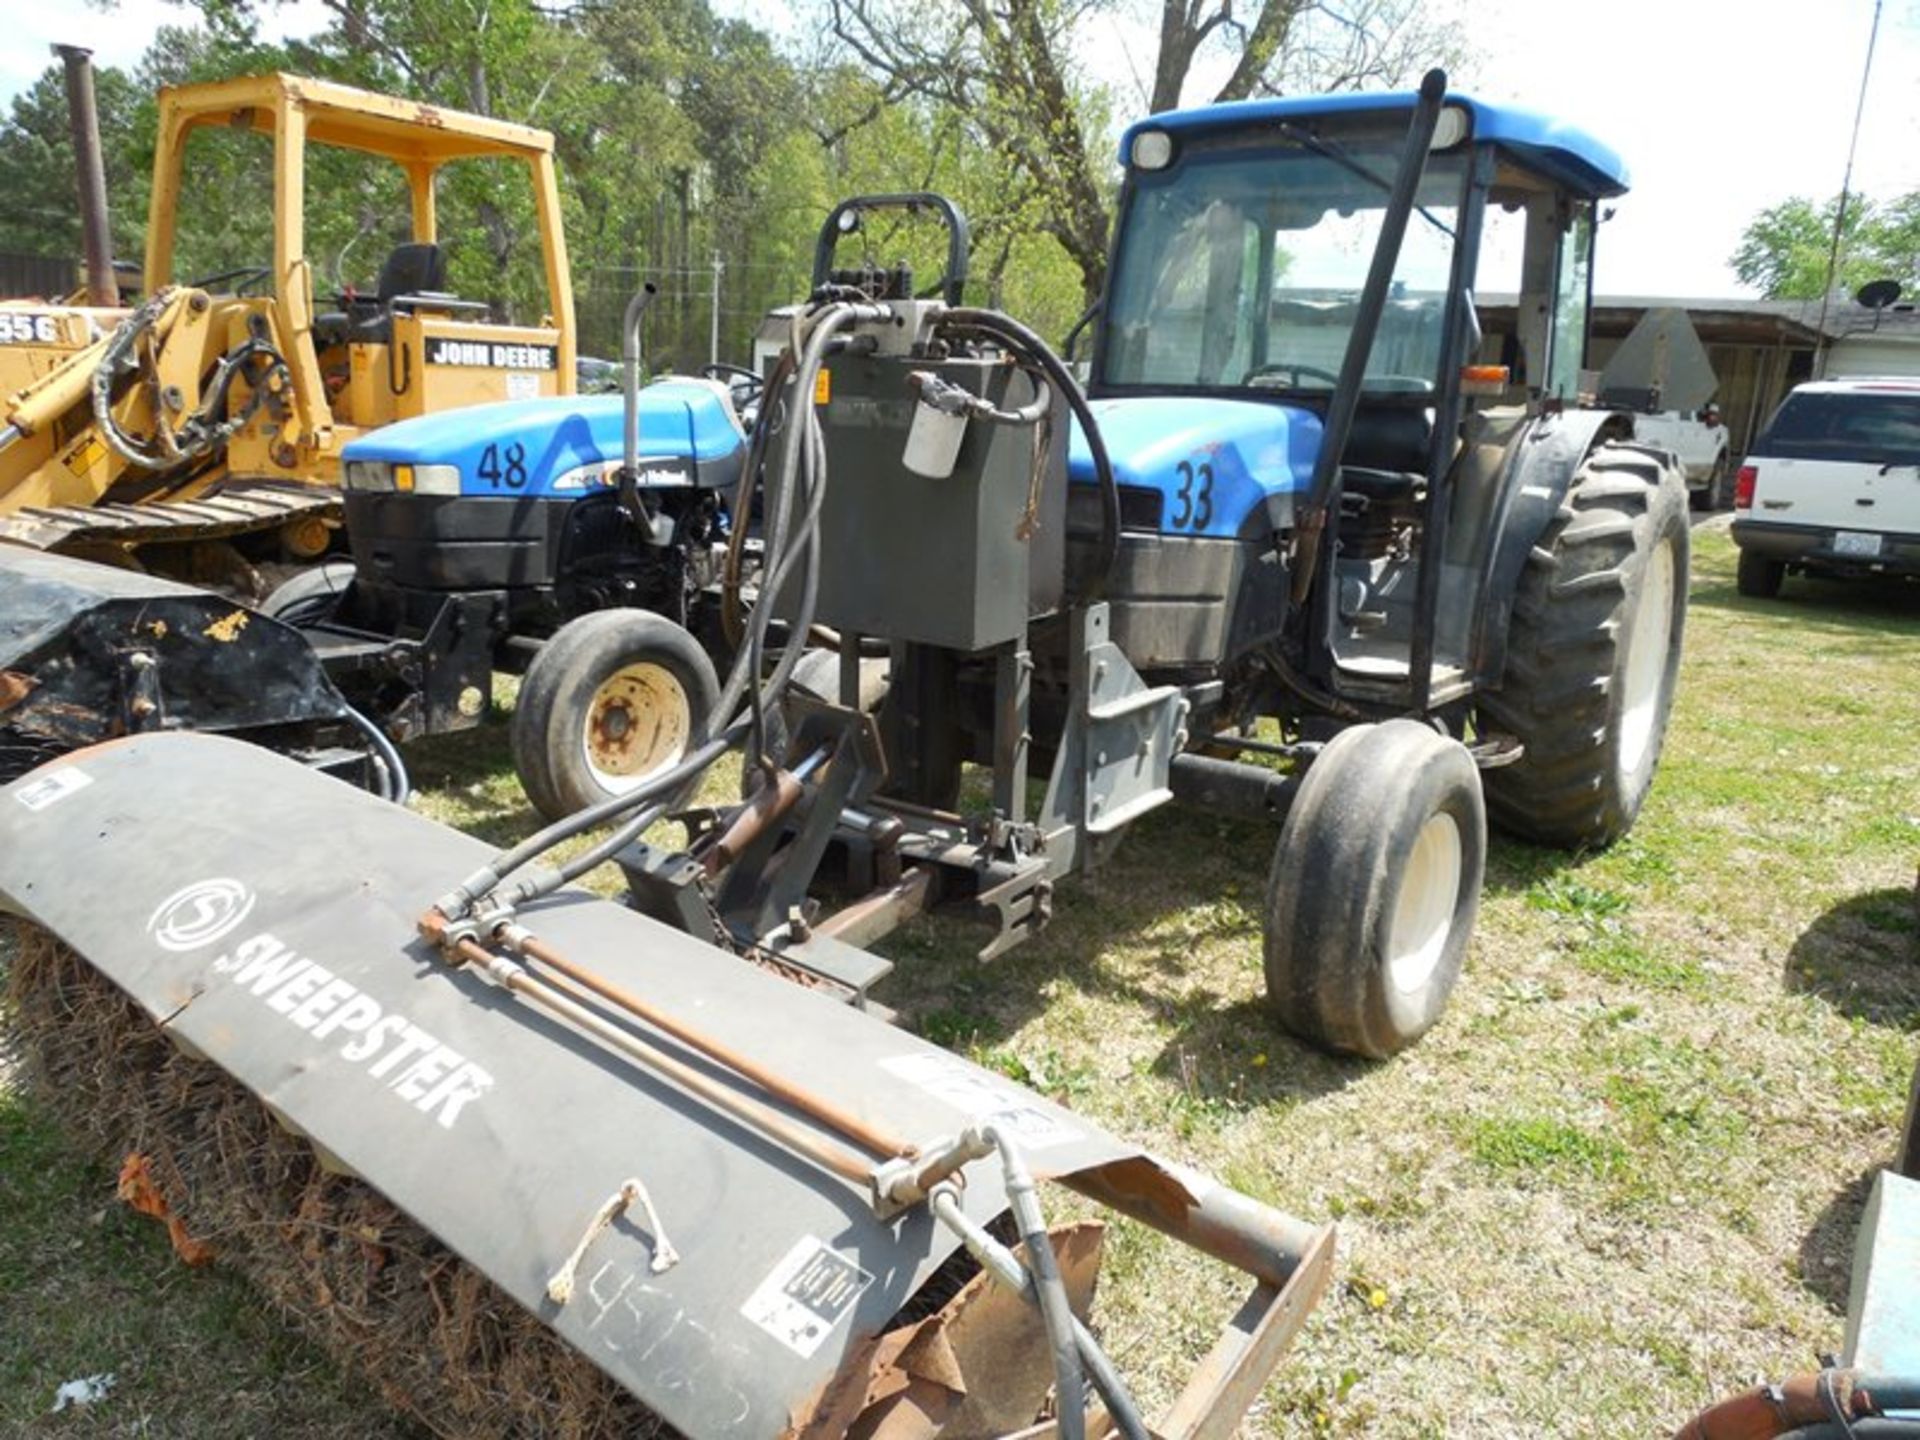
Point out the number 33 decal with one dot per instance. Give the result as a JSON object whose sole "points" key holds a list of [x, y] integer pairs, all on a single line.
{"points": [[1196, 505]]}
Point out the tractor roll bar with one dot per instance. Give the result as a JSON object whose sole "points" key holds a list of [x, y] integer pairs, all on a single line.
{"points": [[959, 237], [1366, 322]]}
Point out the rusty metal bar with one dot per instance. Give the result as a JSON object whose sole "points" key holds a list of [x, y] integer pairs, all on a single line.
{"points": [[103, 287], [1230, 1379], [775, 1084], [879, 913], [832, 1157], [1251, 1237]]}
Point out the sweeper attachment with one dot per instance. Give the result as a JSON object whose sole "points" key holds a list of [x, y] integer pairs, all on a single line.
{"points": [[756, 1210]]}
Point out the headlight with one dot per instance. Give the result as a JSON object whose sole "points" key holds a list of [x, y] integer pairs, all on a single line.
{"points": [[1452, 127], [1152, 150], [378, 477], [436, 479]]}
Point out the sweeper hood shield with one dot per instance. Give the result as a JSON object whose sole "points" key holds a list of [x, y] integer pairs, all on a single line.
{"points": [[265, 916]]}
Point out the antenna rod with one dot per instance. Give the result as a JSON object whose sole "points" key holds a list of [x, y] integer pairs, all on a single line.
{"points": [[1846, 184]]}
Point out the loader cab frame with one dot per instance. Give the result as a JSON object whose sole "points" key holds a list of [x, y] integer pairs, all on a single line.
{"points": [[427, 350]]}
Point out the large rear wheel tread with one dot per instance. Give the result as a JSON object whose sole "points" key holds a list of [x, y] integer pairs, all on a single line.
{"points": [[1592, 721]]}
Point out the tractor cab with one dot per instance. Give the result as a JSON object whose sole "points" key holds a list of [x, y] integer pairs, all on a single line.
{"points": [[1287, 351]]}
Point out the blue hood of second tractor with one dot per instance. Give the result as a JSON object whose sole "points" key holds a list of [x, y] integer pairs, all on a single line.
{"points": [[1212, 460], [563, 443]]}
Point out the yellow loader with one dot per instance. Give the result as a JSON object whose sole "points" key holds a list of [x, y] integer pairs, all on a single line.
{"points": [[197, 435]]}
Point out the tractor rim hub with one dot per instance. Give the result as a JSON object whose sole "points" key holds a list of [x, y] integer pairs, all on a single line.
{"points": [[638, 725]]}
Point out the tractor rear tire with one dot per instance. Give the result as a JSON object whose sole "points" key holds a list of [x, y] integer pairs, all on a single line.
{"points": [[1759, 578], [613, 699], [1593, 652], [1374, 887], [311, 597]]}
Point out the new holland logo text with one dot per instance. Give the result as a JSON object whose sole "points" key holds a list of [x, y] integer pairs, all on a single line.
{"points": [[200, 914], [408, 1061]]}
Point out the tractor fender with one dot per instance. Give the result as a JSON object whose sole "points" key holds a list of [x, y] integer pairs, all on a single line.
{"points": [[1534, 471]]}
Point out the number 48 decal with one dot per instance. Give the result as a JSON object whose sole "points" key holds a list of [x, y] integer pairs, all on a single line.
{"points": [[514, 476], [1195, 496]]}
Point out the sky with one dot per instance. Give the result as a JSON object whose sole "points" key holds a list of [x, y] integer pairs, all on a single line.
{"points": [[1719, 107]]}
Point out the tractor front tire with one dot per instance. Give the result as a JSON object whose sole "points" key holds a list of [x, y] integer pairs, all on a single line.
{"points": [[612, 700], [311, 597], [1593, 652], [1374, 887]]}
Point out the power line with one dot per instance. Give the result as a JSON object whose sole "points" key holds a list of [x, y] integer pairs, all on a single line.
{"points": [[1846, 184]]}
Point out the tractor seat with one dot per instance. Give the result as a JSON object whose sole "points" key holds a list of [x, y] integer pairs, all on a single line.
{"points": [[1387, 486], [410, 270], [1389, 437]]}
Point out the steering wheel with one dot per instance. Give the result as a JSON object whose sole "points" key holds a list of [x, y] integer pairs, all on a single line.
{"points": [[1288, 367], [242, 277], [732, 374]]}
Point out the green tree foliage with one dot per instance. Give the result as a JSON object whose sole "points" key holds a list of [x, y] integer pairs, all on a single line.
{"points": [[1784, 250], [688, 140]]}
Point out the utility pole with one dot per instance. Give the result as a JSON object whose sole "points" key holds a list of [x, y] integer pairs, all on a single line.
{"points": [[1840, 212], [713, 338]]}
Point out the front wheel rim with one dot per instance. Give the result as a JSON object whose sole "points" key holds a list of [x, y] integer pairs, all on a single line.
{"points": [[1645, 681], [1424, 909], [638, 724]]}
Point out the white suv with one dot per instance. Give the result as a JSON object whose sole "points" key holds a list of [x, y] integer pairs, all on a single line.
{"points": [[1833, 486]]}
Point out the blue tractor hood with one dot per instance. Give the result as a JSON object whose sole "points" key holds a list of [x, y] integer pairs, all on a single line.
{"points": [[571, 443], [1213, 462]]}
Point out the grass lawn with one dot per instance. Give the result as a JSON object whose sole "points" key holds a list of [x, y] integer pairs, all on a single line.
{"points": [[1620, 1178]]}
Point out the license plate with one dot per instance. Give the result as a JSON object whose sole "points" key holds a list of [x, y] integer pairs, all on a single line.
{"points": [[1856, 542]]}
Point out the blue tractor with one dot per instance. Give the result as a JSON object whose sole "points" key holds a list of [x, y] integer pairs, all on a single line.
{"points": [[1307, 546]]}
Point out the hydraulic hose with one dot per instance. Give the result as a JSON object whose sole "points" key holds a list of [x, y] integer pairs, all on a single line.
{"points": [[1004, 1267], [396, 785], [1038, 352], [790, 545], [1069, 1378]]}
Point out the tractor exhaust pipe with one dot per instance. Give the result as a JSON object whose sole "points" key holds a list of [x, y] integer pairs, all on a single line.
{"points": [[630, 392], [103, 288]]}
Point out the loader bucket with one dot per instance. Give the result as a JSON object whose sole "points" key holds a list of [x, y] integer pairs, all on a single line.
{"points": [[89, 652], [718, 1270]]}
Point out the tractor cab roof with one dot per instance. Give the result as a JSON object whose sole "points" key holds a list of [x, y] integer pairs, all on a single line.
{"points": [[1563, 153], [400, 130]]}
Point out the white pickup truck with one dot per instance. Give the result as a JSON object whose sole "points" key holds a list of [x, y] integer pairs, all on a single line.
{"points": [[1833, 486], [1661, 375], [1700, 440]]}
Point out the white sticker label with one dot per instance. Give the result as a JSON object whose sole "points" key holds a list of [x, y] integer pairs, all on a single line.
{"points": [[52, 787], [806, 1295], [980, 1096], [522, 385]]}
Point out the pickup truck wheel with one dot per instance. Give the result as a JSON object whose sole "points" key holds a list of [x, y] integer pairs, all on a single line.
{"points": [[1758, 577], [1593, 652], [613, 699], [1374, 887], [311, 597]]}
